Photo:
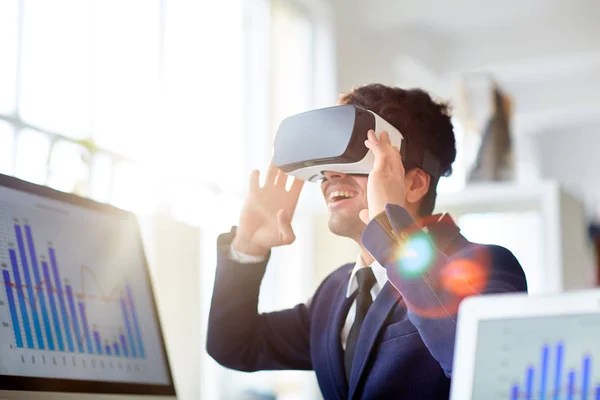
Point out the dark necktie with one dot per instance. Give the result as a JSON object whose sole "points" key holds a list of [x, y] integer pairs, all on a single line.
{"points": [[366, 280]]}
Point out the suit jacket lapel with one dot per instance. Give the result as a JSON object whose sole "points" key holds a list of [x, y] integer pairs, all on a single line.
{"points": [[374, 321], [336, 353]]}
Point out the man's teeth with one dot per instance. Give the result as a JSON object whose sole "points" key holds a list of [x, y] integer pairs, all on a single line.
{"points": [[339, 193]]}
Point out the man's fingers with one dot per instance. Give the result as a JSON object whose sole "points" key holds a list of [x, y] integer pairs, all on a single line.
{"points": [[293, 195], [271, 174], [254, 179], [296, 188], [281, 179], [384, 151], [372, 136], [372, 143], [384, 139]]}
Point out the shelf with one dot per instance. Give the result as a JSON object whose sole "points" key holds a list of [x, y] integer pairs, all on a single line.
{"points": [[564, 258]]}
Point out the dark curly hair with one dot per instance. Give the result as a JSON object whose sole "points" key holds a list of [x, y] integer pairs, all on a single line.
{"points": [[414, 113]]}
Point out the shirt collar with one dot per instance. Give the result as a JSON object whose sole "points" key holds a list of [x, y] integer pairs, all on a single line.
{"points": [[379, 272]]}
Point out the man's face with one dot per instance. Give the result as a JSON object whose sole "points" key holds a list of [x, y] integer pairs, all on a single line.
{"points": [[345, 196]]}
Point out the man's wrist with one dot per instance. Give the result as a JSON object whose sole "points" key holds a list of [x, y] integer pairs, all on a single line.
{"points": [[387, 232], [400, 220], [244, 258], [243, 246]]}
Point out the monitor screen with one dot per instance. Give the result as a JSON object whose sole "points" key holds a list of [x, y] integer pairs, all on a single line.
{"points": [[538, 358], [77, 310]]}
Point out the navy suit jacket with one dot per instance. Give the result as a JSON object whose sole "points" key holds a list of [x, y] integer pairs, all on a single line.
{"points": [[406, 344]]}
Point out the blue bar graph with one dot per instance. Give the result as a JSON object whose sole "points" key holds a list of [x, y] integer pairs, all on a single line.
{"points": [[98, 343], [571, 387], [57, 329], [61, 299], [564, 387], [128, 327], [544, 377], [13, 308], [25, 264], [21, 297], [86, 328], [558, 371], [138, 333], [515, 393], [71, 302], [529, 384], [40, 292], [585, 385], [124, 345], [47, 303]]}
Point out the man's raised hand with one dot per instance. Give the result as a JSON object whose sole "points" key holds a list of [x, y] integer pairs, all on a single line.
{"points": [[266, 217]]}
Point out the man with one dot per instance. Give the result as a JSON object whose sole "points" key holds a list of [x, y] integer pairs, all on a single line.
{"points": [[384, 326]]}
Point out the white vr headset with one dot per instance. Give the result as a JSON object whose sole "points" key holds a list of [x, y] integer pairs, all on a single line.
{"points": [[333, 139]]}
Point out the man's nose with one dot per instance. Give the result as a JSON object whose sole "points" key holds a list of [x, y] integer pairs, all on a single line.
{"points": [[331, 175]]}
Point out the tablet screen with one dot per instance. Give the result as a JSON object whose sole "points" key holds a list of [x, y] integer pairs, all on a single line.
{"points": [[551, 358]]}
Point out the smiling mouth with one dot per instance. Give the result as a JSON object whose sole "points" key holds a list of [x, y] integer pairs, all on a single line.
{"points": [[340, 195]]}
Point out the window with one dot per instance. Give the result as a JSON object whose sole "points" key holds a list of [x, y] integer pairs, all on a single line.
{"points": [[7, 145], [32, 154], [90, 105], [73, 94], [171, 115], [8, 50], [286, 73], [292, 61], [203, 103]]}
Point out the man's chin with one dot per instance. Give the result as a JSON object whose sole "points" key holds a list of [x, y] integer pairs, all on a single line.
{"points": [[347, 226]]}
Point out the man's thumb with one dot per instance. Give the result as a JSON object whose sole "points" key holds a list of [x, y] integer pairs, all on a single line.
{"points": [[364, 215], [286, 233]]}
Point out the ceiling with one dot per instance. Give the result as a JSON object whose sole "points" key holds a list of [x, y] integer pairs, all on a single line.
{"points": [[545, 53], [463, 16]]}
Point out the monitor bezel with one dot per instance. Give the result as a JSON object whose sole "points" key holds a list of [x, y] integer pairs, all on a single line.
{"points": [[37, 384]]}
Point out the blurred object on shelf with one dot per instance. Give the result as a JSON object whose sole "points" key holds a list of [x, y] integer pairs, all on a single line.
{"points": [[595, 236], [485, 112]]}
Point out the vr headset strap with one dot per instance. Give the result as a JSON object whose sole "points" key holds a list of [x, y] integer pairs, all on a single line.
{"points": [[416, 155]]}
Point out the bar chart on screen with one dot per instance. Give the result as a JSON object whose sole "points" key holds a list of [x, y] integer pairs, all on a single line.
{"points": [[553, 358], [76, 300], [47, 314], [555, 381]]}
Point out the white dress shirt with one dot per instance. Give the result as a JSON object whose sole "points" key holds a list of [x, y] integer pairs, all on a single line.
{"points": [[380, 277]]}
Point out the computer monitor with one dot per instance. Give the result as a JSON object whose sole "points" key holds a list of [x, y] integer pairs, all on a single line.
{"points": [[77, 310], [515, 346]]}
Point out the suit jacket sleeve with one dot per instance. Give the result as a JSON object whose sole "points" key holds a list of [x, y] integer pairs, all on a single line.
{"points": [[238, 336], [433, 284]]}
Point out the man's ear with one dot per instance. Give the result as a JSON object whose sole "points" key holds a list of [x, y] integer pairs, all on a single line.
{"points": [[416, 184]]}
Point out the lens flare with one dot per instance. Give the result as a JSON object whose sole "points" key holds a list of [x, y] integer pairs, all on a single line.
{"points": [[464, 277], [415, 256]]}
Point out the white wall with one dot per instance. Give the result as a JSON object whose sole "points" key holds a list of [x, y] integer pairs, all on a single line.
{"points": [[570, 155]]}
